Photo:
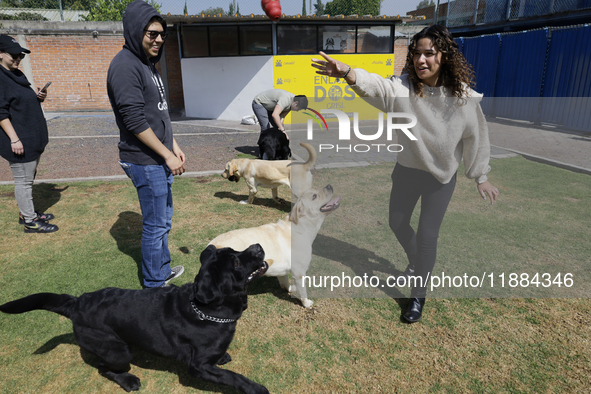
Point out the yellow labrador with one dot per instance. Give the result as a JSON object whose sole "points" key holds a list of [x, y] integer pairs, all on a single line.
{"points": [[272, 173], [288, 243]]}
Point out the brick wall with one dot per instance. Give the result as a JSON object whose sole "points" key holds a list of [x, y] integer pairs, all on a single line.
{"points": [[77, 66], [75, 57], [400, 50]]}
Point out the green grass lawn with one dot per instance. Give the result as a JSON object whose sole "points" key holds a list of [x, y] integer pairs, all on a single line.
{"points": [[353, 339]]}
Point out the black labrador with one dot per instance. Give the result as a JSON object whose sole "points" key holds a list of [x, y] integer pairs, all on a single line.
{"points": [[194, 323], [273, 145]]}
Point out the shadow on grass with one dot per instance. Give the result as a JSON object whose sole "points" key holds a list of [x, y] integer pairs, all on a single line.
{"points": [[249, 150], [361, 261], [142, 360], [269, 284], [46, 195], [284, 205], [127, 232]]}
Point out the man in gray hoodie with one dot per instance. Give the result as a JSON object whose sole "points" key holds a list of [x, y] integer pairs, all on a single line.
{"points": [[148, 151]]}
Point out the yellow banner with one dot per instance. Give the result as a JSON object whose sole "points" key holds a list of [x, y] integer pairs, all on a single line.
{"points": [[296, 75]]}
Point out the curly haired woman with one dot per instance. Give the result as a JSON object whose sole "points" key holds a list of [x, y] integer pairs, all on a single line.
{"points": [[435, 87]]}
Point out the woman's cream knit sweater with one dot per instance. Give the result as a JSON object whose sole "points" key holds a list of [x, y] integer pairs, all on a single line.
{"points": [[448, 129]]}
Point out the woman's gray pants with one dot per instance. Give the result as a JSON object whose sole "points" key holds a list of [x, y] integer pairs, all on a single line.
{"points": [[24, 175]]}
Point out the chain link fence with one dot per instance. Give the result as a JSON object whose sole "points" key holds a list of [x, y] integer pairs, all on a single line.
{"points": [[109, 10], [452, 13], [469, 12], [457, 13]]}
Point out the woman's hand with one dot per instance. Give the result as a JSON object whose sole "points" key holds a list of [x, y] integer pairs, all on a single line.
{"points": [[41, 95], [17, 148], [487, 188], [334, 68]]}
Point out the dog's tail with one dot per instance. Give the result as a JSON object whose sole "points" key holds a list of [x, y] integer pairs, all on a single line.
{"points": [[311, 156], [62, 304]]}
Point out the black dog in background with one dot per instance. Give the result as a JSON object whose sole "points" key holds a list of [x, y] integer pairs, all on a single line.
{"points": [[273, 145], [194, 323]]}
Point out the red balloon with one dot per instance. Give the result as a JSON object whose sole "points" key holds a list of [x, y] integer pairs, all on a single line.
{"points": [[264, 4], [273, 10]]}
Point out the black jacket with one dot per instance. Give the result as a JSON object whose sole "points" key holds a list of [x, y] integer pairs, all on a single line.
{"points": [[136, 91], [19, 103]]}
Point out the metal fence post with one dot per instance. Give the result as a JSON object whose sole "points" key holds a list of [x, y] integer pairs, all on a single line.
{"points": [[61, 11], [435, 13]]}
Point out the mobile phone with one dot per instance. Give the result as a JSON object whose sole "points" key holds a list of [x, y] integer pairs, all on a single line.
{"points": [[46, 86]]}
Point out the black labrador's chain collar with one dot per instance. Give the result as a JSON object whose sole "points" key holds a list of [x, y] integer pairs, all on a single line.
{"points": [[203, 316]]}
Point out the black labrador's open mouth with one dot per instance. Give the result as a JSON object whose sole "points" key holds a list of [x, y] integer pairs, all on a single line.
{"points": [[331, 205], [258, 273]]}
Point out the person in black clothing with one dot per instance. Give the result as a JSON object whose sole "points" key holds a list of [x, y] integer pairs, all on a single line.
{"points": [[148, 152], [25, 133]]}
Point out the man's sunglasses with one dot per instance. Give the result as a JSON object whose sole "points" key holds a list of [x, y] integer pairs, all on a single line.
{"points": [[15, 56], [153, 34]]}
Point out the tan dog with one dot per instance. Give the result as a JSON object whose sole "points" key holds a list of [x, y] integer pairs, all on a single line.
{"points": [[272, 173], [288, 243]]}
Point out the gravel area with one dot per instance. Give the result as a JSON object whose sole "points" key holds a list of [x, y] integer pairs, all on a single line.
{"points": [[86, 146]]}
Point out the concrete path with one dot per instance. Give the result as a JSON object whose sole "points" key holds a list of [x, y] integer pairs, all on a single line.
{"points": [[83, 146]]}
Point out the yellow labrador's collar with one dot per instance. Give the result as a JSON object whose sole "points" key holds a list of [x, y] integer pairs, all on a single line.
{"points": [[203, 316]]}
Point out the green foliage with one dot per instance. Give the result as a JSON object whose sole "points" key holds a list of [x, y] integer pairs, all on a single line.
{"points": [[112, 10], [425, 4], [304, 8], [213, 11], [234, 8], [353, 7], [319, 7], [23, 16], [48, 4]]}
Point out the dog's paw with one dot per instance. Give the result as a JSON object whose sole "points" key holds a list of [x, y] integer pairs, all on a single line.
{"points": [[126, 380], [130, 383], [307, 303], [244, 202]]}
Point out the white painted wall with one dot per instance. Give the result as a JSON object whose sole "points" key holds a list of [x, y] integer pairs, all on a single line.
{"points": [[224, 87]]}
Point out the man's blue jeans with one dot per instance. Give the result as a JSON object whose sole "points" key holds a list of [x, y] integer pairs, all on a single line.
{"points": [[154, 189]]}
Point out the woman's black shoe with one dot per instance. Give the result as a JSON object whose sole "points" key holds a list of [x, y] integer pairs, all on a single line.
{"points": [[414, 311]]}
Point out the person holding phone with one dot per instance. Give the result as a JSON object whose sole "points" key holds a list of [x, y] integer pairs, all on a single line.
{"points": [[25, 133]]}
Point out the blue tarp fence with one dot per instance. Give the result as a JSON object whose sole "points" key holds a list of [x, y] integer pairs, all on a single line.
{"points": [[541, 76]]}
